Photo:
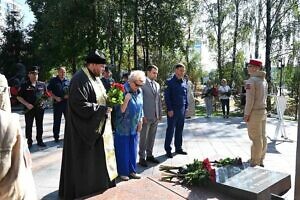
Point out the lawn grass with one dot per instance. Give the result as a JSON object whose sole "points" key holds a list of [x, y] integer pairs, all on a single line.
{"points": [[201, 112]]}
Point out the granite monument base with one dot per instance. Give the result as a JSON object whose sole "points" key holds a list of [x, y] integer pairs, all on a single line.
{"points": [[255, 183], [244, 184]]}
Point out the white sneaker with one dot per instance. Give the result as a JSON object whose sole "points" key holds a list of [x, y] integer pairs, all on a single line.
{"points": [[135, 176], [124, 178]]}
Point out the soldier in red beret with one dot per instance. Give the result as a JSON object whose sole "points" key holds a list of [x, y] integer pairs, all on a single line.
{"points": [[255, 112]]}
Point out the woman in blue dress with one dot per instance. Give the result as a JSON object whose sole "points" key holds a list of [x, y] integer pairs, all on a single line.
{"points": [[129, 118]]}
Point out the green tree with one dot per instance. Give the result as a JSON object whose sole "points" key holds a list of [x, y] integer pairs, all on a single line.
{"points": [[12, 44]]}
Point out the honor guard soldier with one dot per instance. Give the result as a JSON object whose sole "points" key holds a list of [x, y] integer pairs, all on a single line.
{"points": [[255, 112]]}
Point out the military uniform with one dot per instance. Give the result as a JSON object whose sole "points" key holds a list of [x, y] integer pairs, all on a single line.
{"points": [[256, 93], [59, 88], [32, 94]]}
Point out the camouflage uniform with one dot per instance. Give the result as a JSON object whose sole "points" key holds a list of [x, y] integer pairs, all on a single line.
{"points": [[256, 94]]}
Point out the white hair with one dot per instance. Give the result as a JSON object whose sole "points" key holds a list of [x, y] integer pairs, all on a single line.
{"points": [[137, 75], [4, 94]]}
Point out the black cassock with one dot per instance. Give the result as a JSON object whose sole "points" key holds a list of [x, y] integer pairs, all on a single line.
{"points": [[83, 170]]}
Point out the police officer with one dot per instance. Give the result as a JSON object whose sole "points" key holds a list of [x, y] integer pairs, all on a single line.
{"points": [[176, 102], [255, 113], [31, 96], [59, 86]]}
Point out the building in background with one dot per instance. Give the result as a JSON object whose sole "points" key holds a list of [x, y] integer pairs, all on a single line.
{"points": [[8, 6]]}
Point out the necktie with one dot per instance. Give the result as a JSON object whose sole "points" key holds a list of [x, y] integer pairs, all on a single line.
{"points": [[152, 85]]}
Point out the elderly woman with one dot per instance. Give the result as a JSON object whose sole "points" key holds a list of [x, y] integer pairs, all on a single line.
{"points": [[128, 124], [16, 181]]}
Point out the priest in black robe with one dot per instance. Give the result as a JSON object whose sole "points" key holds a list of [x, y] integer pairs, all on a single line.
{"points": [[88, 160]]}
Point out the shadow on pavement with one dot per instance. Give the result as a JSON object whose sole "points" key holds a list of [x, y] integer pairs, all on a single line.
{"points": [[51, 196], [161, 158], [50, 144]]}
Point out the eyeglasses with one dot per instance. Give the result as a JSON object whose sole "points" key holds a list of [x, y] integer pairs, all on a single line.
{"points": [[137, 85], [3, 89]]}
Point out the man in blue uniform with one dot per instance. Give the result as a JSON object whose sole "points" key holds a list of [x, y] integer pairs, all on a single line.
{"points": [[59, 86], [176, 102], [31, 95]]}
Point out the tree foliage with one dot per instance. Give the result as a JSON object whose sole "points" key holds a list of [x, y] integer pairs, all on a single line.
{"points": [[13, 46]]}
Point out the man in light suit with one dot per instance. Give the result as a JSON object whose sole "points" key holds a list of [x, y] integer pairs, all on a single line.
{"points": [[152, 114]]}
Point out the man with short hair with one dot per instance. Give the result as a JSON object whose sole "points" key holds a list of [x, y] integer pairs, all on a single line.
{"points": [[59, 86], [255, 111], [106, 79], [177, 103], [31, 95], [88, 161], [152, 115]]}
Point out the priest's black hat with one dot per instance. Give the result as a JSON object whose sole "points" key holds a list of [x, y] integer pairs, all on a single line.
{"points": [[96, 57]]}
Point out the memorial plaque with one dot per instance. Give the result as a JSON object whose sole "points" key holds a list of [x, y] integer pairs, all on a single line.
{"points": [[256, 183]]}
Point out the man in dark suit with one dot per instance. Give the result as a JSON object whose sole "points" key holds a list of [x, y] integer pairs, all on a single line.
{"points": [[152, 114], [176, 102]]}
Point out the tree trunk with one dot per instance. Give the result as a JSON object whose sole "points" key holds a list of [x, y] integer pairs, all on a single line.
{"points": [[118, 70], [146, 41], [73, 63], [237, 4], [187, 50], [135, 55], [257, 31], [219, 38], [297, 170], [268, 51]]}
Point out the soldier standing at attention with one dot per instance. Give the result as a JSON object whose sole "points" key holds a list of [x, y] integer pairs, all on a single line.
{"points": [[255, 112]]}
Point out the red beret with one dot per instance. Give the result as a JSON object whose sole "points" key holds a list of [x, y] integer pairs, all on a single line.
{"points": [[255, 62]]}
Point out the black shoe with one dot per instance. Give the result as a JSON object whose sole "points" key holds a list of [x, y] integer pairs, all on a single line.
{"points": [[181, 152], [169, 155], [143, 163], [152, 159], [56, 140], [29, 142], [41, 144], [262, 165]]}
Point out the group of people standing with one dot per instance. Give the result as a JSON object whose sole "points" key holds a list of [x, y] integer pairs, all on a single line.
{"points": [[211, 93], [33, 94], [93, 156], [254, 102]]}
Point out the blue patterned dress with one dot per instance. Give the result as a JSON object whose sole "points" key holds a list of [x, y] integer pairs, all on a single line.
{"points": [[126, 136]]}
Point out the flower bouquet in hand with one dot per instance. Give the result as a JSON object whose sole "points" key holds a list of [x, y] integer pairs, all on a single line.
{"points": [[41, 98], [115, 95]]}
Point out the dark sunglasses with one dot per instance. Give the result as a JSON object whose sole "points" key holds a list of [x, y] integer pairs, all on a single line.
{"points": [[138, 85], [3, 89]]}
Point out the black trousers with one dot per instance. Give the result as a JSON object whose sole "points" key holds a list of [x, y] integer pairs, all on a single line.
{"points": [[58, 110], [225, 103], [37, 114]]}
